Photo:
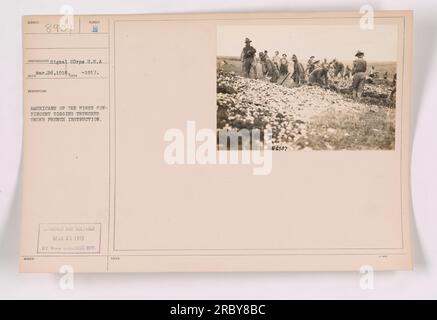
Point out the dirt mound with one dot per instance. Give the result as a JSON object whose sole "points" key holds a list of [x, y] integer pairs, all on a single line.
{"points": [[303, 117], [248, 103]]}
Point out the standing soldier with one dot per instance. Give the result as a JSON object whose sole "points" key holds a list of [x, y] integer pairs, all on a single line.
{"points": [[298, 75], [283, 68], [276, 59], [263, 63], [347, 73], [359, 75], [311, 65], [271, 69], [338, 68], [248, 59]]}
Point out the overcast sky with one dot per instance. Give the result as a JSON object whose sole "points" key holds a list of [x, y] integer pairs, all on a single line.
{"points": [[330, 41]]}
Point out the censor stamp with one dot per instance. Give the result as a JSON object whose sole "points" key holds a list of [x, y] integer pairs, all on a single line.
{"points": [[69, 238]]}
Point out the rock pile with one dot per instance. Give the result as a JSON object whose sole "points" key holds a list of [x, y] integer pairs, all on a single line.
{"points": [[248, 103]]}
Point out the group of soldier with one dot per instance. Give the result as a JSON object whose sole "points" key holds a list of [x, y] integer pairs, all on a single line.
{"points": [[315, 73]]}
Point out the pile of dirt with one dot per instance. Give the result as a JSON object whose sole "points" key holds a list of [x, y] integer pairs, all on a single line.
{"points": [[248, 103]]}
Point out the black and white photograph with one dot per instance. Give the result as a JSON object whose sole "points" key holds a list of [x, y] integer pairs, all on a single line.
{"points": [[316, 87], [220, 159]]}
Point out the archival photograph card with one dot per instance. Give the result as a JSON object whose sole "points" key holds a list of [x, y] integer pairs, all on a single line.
{"points": [[217, 142]]}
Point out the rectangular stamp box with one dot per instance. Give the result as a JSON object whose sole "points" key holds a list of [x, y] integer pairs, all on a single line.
{"points": [[72, 238]]}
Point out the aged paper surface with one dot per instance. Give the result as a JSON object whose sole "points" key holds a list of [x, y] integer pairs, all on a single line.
{"points": [[120, 113]]}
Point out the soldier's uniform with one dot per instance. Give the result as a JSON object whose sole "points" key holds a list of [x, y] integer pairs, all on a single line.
{"points": [[276, 60], [311, 65], [338, 69], [283, 68], [347, 74], [270, 67], [359, 75], [298, 75], [248, 57], [319, 76]]}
